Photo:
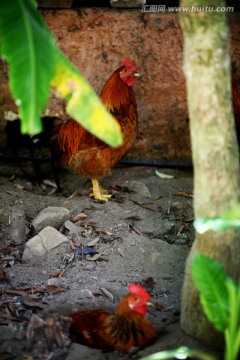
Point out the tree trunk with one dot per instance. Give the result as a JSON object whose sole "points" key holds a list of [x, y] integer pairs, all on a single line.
{"points": [[214, 150]]}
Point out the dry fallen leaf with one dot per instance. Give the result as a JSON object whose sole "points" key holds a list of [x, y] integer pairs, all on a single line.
{"points": [[78, 217], [105, 232], [22, 292], [150, 206], [73, 194], [58, 275], [121, 252], [50, 183], [107, 293], [190, 220], [52, 289], [53, 329], [3, 275], [153, 207], [95, 257], [32, 303], [51, 192], [158, 197], [93, 242], [134, 217], [31, 290], [136, 230], [88, 224], [7, 249], [19, 186], [183, 194], [118, 199], [12, 177]]}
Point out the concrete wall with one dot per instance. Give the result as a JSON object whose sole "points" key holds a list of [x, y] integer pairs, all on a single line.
{"points": [[96, 39]]}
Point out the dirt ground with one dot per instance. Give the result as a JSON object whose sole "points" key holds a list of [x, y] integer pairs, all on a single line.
{"points": [[143, 235]]}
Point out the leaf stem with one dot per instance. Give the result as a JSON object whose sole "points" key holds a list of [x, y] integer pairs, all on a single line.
{"points": [[232, 333]]}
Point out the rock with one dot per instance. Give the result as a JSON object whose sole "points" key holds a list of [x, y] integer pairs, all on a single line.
{"points": [[53, 282], [18, 229], [85, 294], [4, 216], [176, 206], [74, 230], [51, 216], [139, 187], [47, 240], [167, 228]]}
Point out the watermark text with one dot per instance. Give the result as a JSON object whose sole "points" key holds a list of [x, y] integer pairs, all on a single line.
{"points": [[193, 8]]}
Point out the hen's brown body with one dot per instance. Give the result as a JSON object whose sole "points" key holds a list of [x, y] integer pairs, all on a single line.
{"points": [[85, 154], [121, 331]]}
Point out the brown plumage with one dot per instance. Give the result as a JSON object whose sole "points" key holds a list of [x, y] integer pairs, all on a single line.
{"points": [[83, 153], [126, 328]]}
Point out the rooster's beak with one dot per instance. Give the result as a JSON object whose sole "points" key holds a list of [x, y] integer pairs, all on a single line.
{"points": [[136, 74]]}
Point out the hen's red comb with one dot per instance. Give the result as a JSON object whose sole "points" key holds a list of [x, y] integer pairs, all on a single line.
{"points": [[139, 290], [129, 64]]}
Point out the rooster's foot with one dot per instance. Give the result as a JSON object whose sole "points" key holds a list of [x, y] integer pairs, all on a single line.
{"points": [[98, 193]]}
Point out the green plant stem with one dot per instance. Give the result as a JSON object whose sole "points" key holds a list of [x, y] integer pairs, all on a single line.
{"points": [[232, 333]]}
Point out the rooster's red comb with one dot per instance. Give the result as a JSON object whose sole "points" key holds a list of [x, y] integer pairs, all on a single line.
{"points": [[129, 64], [139, 290]]}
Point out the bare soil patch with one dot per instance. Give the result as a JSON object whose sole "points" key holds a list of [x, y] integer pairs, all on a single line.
{"points": [[143, 235]]}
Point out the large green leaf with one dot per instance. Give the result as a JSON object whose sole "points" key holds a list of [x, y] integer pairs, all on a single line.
{"points": [[232, 333], [28, 47], [210, 279], [34, 59], [83, 104]]}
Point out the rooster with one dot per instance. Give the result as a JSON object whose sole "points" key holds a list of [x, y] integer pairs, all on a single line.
{"points": [[83, 153], [125, 329]]}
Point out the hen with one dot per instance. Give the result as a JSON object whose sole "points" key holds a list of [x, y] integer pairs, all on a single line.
{"points": [[83, 153], [121, 331]]}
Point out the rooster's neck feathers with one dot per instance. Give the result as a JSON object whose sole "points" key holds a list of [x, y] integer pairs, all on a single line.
{"points": [[115, 92]]}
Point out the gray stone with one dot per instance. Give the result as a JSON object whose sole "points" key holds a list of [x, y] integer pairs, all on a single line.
{"points": [[4, 216], [139, 187], [51, 216], [53, 281], [18, 229], [176, 206], [73, 229], [167, 228], [47, 240]]}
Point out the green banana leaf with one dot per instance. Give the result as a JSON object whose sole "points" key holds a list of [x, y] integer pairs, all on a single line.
{"points": [[210, 279], [35, 63], [28, 47], [83, 104]]}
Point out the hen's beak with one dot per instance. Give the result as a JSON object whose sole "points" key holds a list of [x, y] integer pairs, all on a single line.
{"points": [[136, 74], [148, 303]]}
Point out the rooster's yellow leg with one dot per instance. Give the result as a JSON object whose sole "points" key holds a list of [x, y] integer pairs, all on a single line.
{"points": [[97, 192]]}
